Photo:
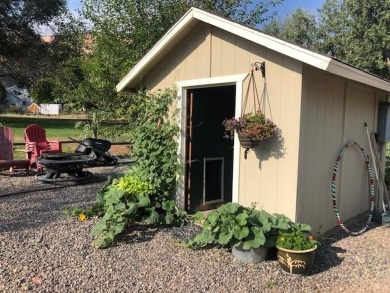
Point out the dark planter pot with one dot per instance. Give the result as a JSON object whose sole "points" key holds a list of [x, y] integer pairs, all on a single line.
{"points": [[253, 255], [247, 142], [296, 262]]}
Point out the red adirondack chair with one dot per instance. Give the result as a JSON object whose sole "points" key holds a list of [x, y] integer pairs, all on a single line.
{"points": [[37, 144], [6, 151]]}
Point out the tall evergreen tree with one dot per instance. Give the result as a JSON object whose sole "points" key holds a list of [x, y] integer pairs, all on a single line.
{"points": [[331, 28], [355, 31], [299, 27], [366, 37]]}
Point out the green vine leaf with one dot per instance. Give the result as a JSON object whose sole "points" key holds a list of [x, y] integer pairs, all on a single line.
{"points": [[152, 218]]}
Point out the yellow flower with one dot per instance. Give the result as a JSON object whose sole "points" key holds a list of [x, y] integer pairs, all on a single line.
{"points": [[281, 239], [82, 217], [310, 237]]}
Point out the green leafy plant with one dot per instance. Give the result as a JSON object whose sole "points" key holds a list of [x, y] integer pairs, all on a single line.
{"points": [[155, 141], [129, 200], [88, 212], [296, 237], [144, 194], [253, 125], [234, 225]]}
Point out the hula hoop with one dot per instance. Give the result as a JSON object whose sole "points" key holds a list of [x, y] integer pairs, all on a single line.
{"points": [[371, 189]]}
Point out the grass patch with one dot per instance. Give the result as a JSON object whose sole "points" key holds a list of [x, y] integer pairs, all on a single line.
{"points": [[57, 128]]}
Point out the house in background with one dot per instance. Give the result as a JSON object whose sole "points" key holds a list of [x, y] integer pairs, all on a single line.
{"points": [[14, 94], [318, 102], [17, 97]]}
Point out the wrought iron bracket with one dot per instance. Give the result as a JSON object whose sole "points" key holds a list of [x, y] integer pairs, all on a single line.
{"points": [[259, 66]]}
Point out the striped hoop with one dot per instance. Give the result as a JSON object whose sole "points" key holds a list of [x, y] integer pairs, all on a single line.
{"points": [[371, 189]]}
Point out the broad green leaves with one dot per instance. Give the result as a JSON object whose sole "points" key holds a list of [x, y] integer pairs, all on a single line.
{"points": [[126, 201], [232, 224], [142, 195], [155, 143]]}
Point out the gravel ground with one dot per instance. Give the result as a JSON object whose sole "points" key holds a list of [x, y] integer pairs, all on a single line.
{"points": [[41, 250]]}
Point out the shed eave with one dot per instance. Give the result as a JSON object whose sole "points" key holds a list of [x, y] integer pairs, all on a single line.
{"points": [[350, 72]]}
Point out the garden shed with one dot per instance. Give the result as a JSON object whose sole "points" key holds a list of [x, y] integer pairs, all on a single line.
{"points": [[317, 102]]}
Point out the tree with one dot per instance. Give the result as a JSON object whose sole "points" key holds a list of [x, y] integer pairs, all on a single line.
{"points": [[331, 29], [21, 48], [63, 61], [356, 32], [122, 31], [299, 27], [366, 38]]}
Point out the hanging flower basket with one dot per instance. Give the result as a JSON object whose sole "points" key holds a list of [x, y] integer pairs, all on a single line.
{"points": [[247, 142], [251, 128]]}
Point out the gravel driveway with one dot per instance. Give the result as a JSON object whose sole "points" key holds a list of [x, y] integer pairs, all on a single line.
{"points": [[41, 250]]}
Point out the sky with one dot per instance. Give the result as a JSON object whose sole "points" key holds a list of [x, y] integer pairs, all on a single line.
{"points": [[289, 6], [74, 4], [283, 10]]}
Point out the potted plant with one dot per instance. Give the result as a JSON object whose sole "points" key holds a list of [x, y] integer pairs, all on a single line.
{"points": [[251, 128], [296, 249], [247, 231]]}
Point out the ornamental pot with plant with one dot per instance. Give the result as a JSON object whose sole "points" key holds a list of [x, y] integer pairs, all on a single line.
{"points": [[296, 249], [247, 231]]}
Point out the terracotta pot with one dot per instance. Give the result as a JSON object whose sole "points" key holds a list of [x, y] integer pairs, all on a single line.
{"points": [[247, 142], [296, 262]]}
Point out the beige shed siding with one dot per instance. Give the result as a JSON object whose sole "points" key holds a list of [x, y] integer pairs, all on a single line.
{"points": [[269, 175], [333, 113], [188, 60], [360, 107]]}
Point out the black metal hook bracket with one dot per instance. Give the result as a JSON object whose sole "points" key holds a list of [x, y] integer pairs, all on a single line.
{"points": [[259, 66]]}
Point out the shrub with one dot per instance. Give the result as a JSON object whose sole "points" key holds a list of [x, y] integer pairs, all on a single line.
{"points": [[143, 195], [129, 200], [234, 225]]}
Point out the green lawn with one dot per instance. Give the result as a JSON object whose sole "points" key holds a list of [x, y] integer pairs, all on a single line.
{"points": [[57, 128]]}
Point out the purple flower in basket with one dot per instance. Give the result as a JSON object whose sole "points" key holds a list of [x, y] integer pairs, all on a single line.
{"points": [[252, 125]]}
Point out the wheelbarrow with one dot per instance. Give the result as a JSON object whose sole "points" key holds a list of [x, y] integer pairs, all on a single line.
{"points": [[98, 149]]}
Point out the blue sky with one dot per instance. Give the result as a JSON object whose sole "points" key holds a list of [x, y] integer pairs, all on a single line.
{"points": [[283, 10], [289, 6], [74, 4]]}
